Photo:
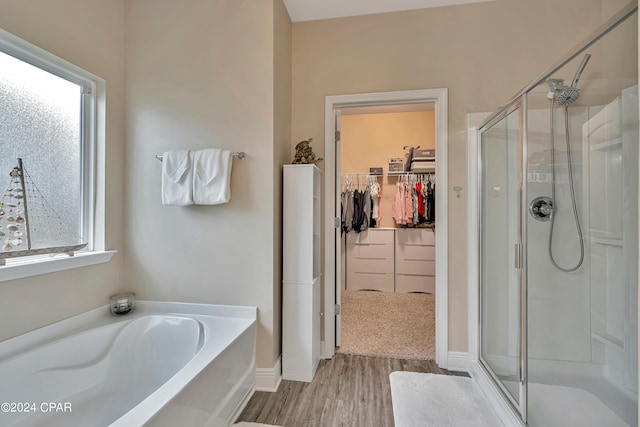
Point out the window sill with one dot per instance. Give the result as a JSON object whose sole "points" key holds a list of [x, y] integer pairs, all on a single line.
{"points": [[18, 269]]}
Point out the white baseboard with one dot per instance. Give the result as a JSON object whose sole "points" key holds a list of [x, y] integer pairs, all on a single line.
{"points": [[326, 352], [458, 361], [268, 379]]}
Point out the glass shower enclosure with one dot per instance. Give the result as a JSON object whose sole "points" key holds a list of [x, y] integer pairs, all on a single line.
{"points": [[558, 203]]}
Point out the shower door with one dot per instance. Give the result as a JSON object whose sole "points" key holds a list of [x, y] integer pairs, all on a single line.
{"points": [[501, 255]]}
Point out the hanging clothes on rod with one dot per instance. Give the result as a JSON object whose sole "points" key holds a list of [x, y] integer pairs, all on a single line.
{"points": [[374, 187], [414, 201], [430, 204], [359, 209]]}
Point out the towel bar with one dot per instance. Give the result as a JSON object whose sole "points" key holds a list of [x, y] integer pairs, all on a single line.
{"points": [[240, 154]]}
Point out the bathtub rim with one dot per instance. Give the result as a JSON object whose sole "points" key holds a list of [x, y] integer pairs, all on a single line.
{"points": [[102, 315]]}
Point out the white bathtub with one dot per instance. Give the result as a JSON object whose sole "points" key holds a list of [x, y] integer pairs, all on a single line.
{"points": [[164, 364]]}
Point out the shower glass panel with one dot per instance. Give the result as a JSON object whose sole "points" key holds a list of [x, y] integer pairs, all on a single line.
{"points": [[582, 259], [500, 293]]}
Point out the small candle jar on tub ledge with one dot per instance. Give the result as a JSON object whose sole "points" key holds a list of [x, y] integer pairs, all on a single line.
{"points": [[122, 303]]}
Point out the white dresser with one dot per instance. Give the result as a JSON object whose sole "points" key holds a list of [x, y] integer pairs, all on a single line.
{"points": [[415, 260], [370, 260], [391, 260]]}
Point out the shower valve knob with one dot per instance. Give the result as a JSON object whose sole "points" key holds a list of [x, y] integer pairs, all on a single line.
{"points": [[541, 208]]}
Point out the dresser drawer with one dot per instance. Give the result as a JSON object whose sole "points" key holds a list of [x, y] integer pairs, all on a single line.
{"points": [[415, 267], [414, 252], [376, 251], [365, 265], [406, 283], [370, 281], [415, 236], [371, 236]]}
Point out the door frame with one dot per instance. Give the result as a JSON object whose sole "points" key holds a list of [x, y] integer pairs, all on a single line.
{"points": [[440, 98]]}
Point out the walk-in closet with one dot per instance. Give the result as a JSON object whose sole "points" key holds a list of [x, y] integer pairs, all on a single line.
{"points": [[388, 181]]}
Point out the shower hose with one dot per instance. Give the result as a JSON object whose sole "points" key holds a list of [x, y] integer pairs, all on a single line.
{"points": [[553, 191]]}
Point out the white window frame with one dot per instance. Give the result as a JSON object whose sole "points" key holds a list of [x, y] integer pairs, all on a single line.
{"points": [[93, 148]]}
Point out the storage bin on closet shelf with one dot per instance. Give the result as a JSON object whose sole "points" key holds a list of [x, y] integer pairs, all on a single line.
{"points": [[420, 160]]}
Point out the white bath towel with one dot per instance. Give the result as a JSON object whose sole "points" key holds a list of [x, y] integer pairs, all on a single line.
{"points": [[211, 176], [177, 187]]}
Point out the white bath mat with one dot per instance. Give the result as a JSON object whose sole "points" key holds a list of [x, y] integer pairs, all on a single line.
{"points": [[246, 424], [429, 400]]}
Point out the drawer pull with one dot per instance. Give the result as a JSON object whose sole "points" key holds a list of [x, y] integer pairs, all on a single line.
{"points": [[369, 272], [414, 275]]}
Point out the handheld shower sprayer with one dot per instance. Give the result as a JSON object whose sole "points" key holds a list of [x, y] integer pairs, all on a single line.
{"points": [[564, 96], [583, 64]]}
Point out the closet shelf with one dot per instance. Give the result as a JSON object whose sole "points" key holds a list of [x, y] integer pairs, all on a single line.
{"points": [[411, 173]]}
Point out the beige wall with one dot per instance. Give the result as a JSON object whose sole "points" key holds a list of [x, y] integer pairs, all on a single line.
{"points": [[282, 143], [89, 34], [202, 74], [482, 52], [369, 140]]}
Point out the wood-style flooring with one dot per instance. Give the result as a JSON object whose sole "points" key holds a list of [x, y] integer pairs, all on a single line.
{"points": [[347, 390]]}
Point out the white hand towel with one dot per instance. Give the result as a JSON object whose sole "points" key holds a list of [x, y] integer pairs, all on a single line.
{"points": [[211, 176], [177, 179]]}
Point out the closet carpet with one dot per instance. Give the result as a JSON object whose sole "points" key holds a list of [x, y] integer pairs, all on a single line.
{"points": [[387, 324]]}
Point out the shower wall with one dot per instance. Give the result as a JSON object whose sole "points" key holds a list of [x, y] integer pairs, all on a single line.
{"points": [[585, 316], [611, 135], [558, 302]]}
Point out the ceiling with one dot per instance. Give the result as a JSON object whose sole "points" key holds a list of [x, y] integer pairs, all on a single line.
{"points": [[310, 10]]}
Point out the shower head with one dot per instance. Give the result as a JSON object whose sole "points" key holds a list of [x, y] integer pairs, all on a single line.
{"points": [[583, 64], [566, 96], [561, 94]]}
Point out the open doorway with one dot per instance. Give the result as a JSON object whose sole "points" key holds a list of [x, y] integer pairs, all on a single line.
{"points": [[387, 180], [420, 272]]}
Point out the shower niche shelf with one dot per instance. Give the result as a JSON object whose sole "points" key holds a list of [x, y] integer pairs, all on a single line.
{"points": [[609, 241], [611, 144], [608, 339]]}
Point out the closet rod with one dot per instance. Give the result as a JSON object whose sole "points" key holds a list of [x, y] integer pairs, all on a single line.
{"points": [[388, 174], [240, 154]]}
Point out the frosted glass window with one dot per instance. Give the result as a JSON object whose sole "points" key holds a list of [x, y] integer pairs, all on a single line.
{"points": [[41, 122]]}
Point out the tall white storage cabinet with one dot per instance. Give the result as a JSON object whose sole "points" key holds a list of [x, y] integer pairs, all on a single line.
{"points": [[301, 272]]}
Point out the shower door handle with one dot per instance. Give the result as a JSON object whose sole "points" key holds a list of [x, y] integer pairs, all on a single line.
{"points": [[518, 256]]}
